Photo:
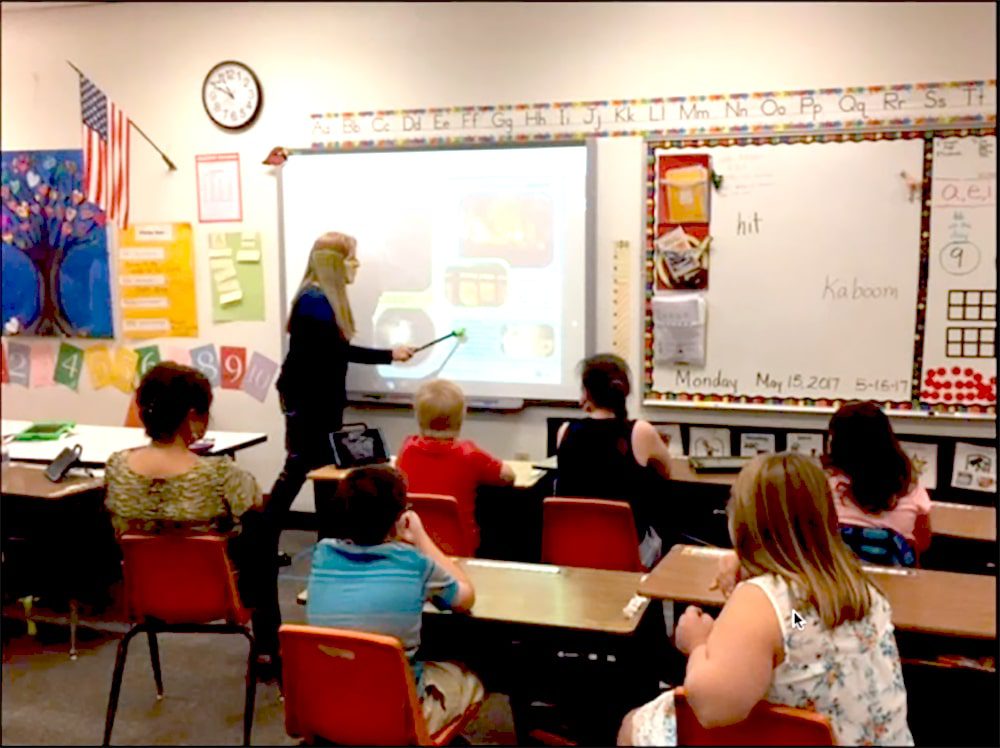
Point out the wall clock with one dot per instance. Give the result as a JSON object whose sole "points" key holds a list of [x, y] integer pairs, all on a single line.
{"points": [[232, 95]]}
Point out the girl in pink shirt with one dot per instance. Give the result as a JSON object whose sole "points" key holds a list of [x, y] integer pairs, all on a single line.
{"points": [[871, 477]]}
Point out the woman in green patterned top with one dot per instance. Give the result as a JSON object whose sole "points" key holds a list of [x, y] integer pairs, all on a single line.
{"points": [[166, 487]]}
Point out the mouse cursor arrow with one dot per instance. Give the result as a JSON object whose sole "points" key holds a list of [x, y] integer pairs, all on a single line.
{"points": [[798, 622]]}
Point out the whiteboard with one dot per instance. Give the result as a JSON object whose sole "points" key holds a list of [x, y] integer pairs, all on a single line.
{"points": [[489, 240], [959, 365], [813, 275]]}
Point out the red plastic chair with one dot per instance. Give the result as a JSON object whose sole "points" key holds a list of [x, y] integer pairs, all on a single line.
{"points": [[354, 688], [179, 584], [595, 533], [440, 517], [132, 416], [767, 724]]}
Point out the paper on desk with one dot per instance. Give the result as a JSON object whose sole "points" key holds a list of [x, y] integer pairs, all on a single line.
{"points": [[924, 458], [975, 467], [679, 328]]}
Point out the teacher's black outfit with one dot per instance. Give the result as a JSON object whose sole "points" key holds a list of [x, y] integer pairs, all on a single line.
{"points": [[313, 396], [313, 391]]}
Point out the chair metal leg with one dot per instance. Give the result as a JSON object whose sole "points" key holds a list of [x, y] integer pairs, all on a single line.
{"points": [[154, 657], [251, 695], [74, 619], [116, 683]]}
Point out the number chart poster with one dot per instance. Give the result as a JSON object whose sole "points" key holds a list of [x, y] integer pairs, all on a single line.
{"points": [[156, 281], [959, 361]]}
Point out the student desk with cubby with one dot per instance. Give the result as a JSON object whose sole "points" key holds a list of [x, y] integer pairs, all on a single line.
{"points": [[58, 543], [561, 635]]}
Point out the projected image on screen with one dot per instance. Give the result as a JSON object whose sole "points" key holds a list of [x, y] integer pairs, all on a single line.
{"points": [[489, 241], [517, 228]]}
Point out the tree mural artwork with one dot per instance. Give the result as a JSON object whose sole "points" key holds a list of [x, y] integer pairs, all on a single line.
{"points": [[54, 248]]}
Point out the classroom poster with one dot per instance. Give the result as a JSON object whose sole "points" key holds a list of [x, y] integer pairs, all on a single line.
{"points": [[99, 365], [924, 458], [69, 366], [123, 368], [43, 364], [156, 280], [206, 360], [234, 365], [19, 363], [975, 467], [806, 444], [709, 442], [234, 259], [670, 433], [259, 374], [145, 359], [752, 445], [218, 180]]}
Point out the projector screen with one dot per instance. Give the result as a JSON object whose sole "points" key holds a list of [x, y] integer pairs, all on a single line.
{"points": [[491, 241]]}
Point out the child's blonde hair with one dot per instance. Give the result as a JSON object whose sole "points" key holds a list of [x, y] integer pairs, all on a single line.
{"points": [[783, 522], [440, 408]]}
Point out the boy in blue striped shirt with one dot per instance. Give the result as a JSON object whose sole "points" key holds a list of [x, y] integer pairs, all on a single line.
{"points": [[378, 577]]}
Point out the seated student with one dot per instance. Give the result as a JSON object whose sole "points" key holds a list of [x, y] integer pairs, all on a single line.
{"points": [[842, 663], [608, 456], [167, 487], [439, 462], [378, 577], [872, 479]]}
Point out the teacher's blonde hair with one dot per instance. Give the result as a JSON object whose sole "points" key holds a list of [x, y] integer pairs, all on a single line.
{"points": [[783, 522], [326, 269]]}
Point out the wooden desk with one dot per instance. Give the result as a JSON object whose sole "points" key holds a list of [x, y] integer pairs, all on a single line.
{"points": [[28, 480], [964, 521], [555, 596], [526, 475], [56, 537], [953, 520], [923, 601], [100, 442]]}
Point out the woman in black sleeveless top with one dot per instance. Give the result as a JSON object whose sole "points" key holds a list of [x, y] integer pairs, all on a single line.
{"points": [[608, 456]]}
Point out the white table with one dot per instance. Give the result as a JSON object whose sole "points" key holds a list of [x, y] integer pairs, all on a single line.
{"points": [[100, 442]]}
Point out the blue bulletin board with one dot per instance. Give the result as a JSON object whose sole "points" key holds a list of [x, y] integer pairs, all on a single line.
{"points": [[56, 280]]}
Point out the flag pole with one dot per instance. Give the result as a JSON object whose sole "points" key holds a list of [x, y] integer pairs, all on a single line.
{"points": [[138, 129]]}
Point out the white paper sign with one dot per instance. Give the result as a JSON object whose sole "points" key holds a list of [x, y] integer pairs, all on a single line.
{"points": [[219, 197], [925, 461], [679, 328], [707, 442], [756, 444], [975, 467], [807, 444], [671, 434]]}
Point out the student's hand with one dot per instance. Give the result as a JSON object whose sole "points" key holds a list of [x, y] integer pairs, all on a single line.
{"points": [[403, 352], [728, 575], [410, 529], [692, 630]]}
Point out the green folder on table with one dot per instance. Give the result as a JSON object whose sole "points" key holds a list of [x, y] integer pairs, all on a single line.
{"points": [[43, 431]]}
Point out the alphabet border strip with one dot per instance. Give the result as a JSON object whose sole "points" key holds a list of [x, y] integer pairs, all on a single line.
{"points": [[900, 106], [913, 406]]}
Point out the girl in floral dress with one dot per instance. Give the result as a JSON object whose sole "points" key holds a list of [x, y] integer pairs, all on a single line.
{"points": [[838, 658]]}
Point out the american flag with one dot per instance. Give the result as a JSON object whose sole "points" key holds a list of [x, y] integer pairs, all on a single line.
{"points": [[106, 139]]}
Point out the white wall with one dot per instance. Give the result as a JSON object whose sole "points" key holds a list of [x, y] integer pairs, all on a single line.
{"points": [[151, 59]]}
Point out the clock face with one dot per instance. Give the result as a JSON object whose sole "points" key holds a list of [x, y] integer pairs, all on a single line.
{"points": [[232, 95]]}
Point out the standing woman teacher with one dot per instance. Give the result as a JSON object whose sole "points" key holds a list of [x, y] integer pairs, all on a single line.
{"points": [[312, 381]]}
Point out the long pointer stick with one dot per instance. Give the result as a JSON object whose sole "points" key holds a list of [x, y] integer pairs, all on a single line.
{"points": [[459, 333]]}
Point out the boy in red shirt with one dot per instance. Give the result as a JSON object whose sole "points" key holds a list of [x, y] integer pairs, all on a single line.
{"points": [[439, 462]]}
